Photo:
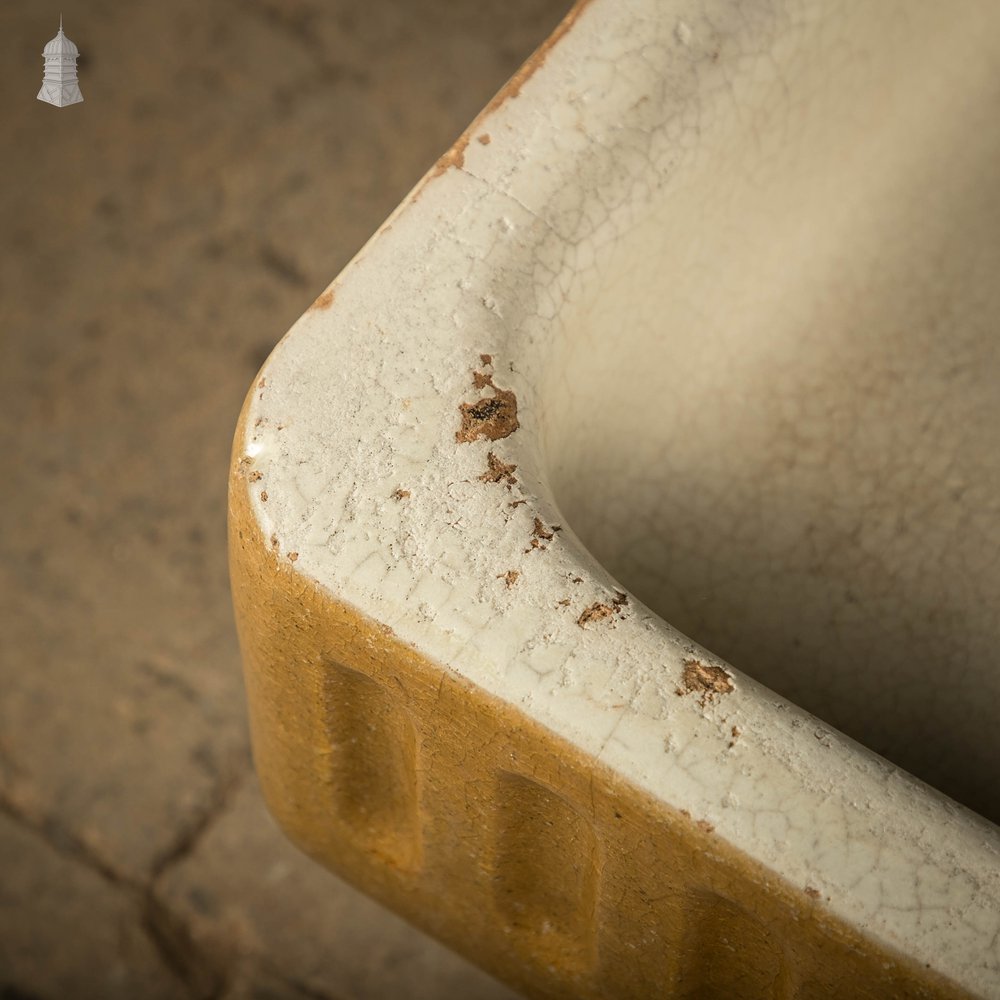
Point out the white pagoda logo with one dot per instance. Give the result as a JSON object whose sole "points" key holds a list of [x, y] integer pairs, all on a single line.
{"points": [[59, 86]]}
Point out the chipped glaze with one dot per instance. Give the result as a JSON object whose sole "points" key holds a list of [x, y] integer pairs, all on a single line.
{"points": [[660, 224]]}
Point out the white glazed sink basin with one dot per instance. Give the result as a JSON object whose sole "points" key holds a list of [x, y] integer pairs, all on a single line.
{"points": [[705, 303]]}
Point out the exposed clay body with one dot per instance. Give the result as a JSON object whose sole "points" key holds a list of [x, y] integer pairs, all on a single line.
{"points": [[492, 417], [498, 471], [705, 679]]}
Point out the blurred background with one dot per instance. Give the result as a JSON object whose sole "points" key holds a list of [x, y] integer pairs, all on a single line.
{"points": [[157, 240]]}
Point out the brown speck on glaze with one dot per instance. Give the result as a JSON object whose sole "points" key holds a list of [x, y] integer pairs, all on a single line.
{"points": [[812, 892], [539, 531], [263, 495], [497, 471], [735, 733], [702, 824], [324, 301], [510, 577], [484, 139], [595, 612], [486, 359], [705, 679], [455, 157], [600, 610], [539, 534], [293, 556], [400, 494], [255, 476]]}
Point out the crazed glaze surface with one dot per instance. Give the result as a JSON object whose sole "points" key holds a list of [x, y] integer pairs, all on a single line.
{"points": [[689, 292]]}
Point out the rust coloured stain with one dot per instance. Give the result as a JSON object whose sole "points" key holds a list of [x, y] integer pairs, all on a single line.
{"points": [[497, 471], [400, 494], [455, 157], [492, 417], [705, 679], [534, 62], [596, 612], [324, 301], [510, 577], [484, 139], [539, 531], [600, 610], [539, 534]]}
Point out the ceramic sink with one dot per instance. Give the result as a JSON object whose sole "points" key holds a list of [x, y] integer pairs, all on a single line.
{"points": [[616, 541]]}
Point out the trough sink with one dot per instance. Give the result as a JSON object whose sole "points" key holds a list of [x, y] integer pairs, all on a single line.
{"points": [[616, 541]]}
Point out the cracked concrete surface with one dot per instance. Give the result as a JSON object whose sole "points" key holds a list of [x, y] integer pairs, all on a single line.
{"points": [[157, 241]]}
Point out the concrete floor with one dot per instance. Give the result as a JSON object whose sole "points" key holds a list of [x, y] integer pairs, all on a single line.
{"points": [[157, 240]]}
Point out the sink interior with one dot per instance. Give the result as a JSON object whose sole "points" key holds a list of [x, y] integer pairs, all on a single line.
{"points": [[774, 414]]}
